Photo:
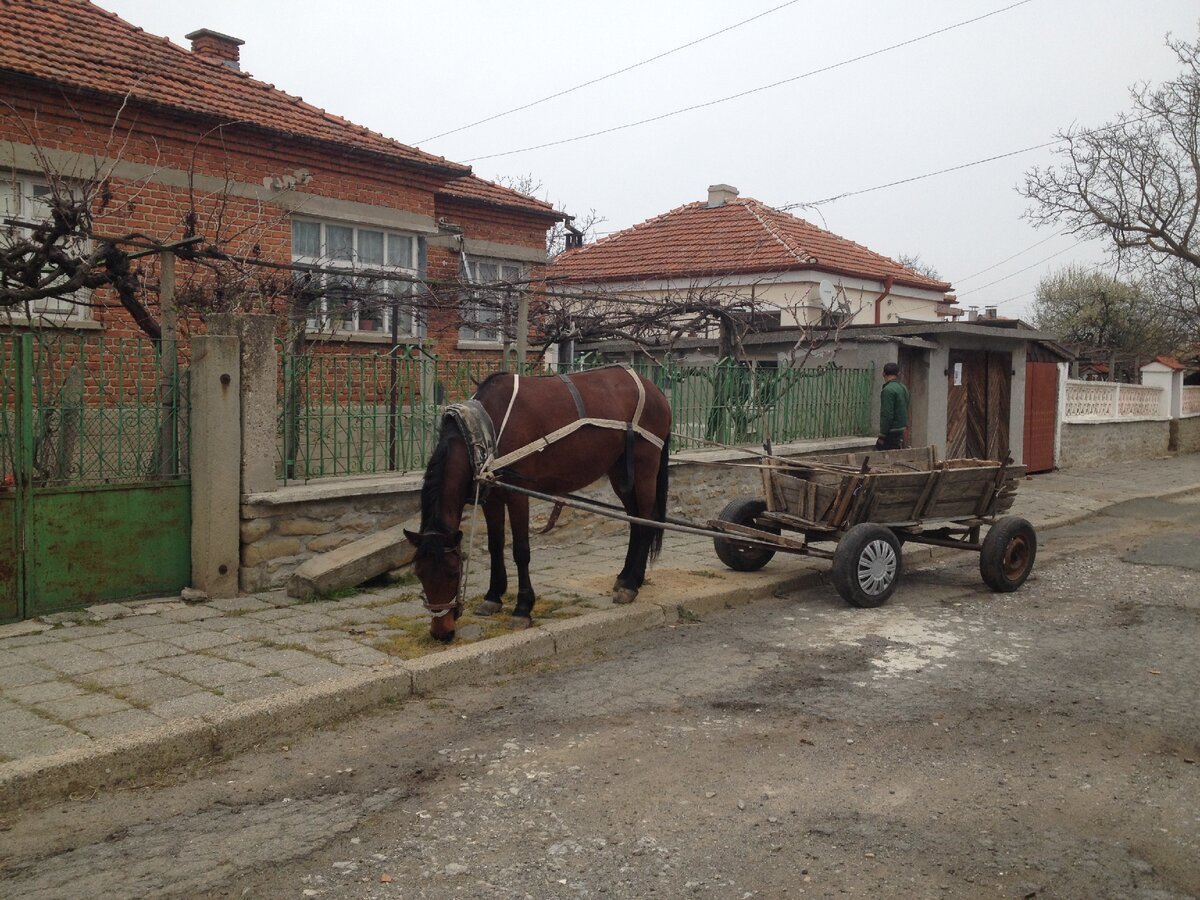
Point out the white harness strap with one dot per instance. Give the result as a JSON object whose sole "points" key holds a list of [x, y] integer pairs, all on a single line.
{"points": [[490, 466]]}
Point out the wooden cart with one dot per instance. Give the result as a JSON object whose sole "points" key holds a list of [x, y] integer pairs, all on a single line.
{"points": [[869, 505]]}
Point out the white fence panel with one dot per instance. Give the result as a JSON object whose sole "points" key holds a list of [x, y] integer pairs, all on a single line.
{"points": [[1109, 400], [1191, 401]]}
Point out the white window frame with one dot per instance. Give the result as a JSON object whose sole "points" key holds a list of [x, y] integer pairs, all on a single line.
{"points": [[321, 318], [29, 188], [481, 305]]}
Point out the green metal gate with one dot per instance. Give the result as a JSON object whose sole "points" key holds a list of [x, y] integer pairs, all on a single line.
{"points": [[95, 502]]}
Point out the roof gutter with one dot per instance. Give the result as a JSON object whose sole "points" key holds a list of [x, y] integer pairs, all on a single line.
{"points": [[887, 289]]}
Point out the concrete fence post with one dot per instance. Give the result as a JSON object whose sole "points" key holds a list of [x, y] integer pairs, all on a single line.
{"points": [[216, 464], [260, 373]]}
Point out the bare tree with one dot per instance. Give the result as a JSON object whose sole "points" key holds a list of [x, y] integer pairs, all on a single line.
{"points": [[914, 262], [583, 225], [1133, 181]]}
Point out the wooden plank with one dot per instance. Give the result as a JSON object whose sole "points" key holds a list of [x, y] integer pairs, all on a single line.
{"points": [[757, 534]]}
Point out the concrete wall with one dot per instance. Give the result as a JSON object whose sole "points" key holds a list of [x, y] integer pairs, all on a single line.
{"points": [[1186, 435], [1090, 443]]}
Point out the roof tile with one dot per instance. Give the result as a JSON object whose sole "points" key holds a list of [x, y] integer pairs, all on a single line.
{"points": [[741, 237]]}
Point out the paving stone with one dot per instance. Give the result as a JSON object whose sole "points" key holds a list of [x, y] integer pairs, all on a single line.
{"points": [[136, 621], [102, 612], [31, 640], [22, 674], [257, 687], [81, 706], [219, 674], [165, 631], [204, 640], [144, 651], [359, 656], [22, 629], [239, 604], [117, 723], [157, 689], [110, 639], [315, 672], [191, 614], [18, 719], [177, 665], [118, 676], [190, 705], [272, 659], [47, 690], [308, 622], [47, 738], [245, 628]]}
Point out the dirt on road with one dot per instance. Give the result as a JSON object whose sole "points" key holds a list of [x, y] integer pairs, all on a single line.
{"points": [[954, 743]]}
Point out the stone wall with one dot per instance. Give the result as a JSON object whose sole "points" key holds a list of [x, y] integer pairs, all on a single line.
{"points": [[1185, 437], [281, 529], [1091, 443]]}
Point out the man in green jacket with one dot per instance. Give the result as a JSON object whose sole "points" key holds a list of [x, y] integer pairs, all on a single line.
{"points": [[893, 410]]}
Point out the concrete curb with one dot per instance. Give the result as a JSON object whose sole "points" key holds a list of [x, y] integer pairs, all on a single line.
{"points": [[243, 725]]}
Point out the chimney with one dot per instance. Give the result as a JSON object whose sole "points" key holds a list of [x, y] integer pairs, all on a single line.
{"points": [[217, 46], [972, 313], [720, 194], [989, 312]]}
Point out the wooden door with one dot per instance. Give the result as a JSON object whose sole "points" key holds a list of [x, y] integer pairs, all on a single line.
{"points": [[1041, 413], [978, 403]]}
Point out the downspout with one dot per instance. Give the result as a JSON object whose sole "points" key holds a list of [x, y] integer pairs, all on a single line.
{"points": [[887, 289]]}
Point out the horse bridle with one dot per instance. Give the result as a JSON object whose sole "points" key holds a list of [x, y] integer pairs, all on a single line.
{"points": [[437, 610]]}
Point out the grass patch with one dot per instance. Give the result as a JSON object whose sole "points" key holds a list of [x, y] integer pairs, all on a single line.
{"points": [[687, 616], [704, 573]]}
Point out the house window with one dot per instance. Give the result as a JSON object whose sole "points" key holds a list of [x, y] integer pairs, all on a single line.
{"points": [[489, 311], [26, 199], [357, 302]]}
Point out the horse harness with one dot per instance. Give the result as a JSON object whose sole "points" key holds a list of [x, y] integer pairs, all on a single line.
{"points": [[482, 440]]}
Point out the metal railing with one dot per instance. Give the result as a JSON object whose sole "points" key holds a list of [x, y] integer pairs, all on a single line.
{"points": [[102, 410], [371, 413]]}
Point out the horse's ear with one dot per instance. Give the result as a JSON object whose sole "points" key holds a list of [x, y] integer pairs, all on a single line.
{"points": [[414, 539], [454, 540]]}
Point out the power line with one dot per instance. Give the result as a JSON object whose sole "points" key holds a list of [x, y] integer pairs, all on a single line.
{"points": [[628, 68], [756, 90], [1010, 258], [1019, 271]]}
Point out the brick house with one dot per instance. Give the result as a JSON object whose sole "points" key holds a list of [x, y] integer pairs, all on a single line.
{"points": [[188, 141], [751, 252]]}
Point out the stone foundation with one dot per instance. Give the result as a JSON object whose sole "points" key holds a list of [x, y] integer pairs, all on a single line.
{"points": [[1093, 443], [283, 528], [1185, 435]]}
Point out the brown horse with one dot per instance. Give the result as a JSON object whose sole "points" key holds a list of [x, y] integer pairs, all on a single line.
{"points": [[628, 442]]}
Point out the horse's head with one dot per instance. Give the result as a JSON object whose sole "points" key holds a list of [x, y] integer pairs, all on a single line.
{"points": [[438, 564]]}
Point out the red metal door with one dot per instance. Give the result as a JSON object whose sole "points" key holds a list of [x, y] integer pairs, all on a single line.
{"points": [[1041, 412]]}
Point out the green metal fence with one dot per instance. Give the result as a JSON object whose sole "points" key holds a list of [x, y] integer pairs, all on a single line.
{"points": [[370, 413], [104, 411]]}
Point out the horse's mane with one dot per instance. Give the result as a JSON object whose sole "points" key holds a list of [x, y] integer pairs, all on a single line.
{"points": [[435, 476]]}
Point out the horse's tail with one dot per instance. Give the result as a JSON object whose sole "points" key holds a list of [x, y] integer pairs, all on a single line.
{"points": [[660, 496]]}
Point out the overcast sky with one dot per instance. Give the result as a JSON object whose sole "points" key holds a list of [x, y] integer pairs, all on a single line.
{"points": [[1009, 81]]}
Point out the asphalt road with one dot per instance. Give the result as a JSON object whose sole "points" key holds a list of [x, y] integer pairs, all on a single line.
{"points": [[954, 743]]}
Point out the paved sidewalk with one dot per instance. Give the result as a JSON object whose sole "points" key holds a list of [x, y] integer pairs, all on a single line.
{"points": [[71, 680]]}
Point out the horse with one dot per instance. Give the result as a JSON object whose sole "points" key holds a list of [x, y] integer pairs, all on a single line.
{"points": [[554, 434]]}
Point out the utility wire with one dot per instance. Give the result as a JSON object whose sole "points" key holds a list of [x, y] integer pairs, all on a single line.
{"points": [[756, 90], [1019, 271], [1010, 258], [628, 68]]}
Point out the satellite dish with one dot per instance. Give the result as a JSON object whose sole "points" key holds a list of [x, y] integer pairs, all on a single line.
{"points": [[827, 293]]}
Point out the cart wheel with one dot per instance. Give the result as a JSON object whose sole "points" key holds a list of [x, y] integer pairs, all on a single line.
{"points": [[1009, 550], [866, 565], [744, 557]]}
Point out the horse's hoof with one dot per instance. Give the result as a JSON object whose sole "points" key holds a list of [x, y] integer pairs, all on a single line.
{"points": [[444, 638], [624, 595], [520, 623], [488, 608]]}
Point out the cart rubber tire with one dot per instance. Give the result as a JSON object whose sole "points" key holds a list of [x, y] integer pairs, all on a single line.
{"points": [[738, 556], [1009, 550], [867, 565]]}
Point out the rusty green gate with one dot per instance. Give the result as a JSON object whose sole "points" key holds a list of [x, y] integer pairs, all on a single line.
{"points": [[95, 501]]}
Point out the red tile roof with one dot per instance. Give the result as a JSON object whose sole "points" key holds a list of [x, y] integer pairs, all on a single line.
{"points": [[77, 44], [476, 190], [1170, 362], [741, 237]]}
